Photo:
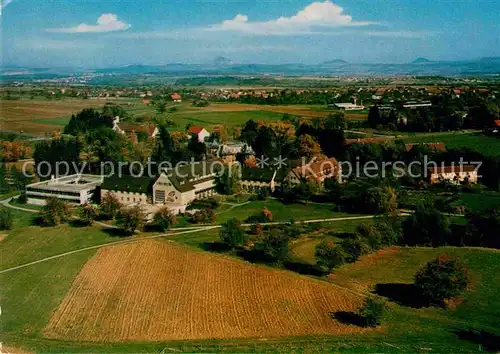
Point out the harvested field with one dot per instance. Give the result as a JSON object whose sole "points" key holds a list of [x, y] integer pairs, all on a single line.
{"points": [[156, 291], [17, 115]]}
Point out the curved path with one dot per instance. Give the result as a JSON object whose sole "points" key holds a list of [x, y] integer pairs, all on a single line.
{"points": [[174, 232]]}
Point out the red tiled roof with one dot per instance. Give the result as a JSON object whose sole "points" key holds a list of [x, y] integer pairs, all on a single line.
{"points": [[175, 96], [195, 129], [328, 167]]}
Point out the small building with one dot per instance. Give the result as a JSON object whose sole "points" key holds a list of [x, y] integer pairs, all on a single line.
{"points": [[200, 132], [76, 189], [454, 174], [349, 106], [130, 129], [176, 97]]}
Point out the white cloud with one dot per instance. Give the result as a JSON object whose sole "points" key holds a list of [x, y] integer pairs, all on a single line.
{"points": [[316, 15], [3, 5], [105, 23]]}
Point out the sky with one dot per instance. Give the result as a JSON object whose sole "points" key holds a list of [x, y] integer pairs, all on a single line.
{"points": [[112, 33]]}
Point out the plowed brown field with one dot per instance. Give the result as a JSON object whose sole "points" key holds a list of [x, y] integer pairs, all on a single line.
{"points": [[156, 291]]}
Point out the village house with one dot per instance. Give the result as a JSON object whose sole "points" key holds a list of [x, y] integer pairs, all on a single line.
{"points": [[200, 132], [454, 174], [176, 97], [130, 129]]}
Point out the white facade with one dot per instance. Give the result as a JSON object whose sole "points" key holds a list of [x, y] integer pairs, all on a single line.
{"points": [[76, 189]]}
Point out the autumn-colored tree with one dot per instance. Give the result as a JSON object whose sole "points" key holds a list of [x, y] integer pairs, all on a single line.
{"points": [[221, 133], [54, 212], [179, 139], [284, 131], [164, 218], [14, 150], [308, 147], [131, 219], [110, 205], [88, 213]]}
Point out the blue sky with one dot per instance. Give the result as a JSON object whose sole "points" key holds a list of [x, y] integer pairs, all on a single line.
{"points": [[105, 33]]}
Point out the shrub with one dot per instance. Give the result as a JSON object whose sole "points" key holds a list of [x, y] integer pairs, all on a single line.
{"points": [[88, 213], [54, 212], [110, 205], [6, 220], [263, 194], [22, 199], [203, 216], [275, 245], [372, 312], [329, 255], [426, 227], [261, 217], [164, 218], [131, 219], [256, 229], [353, 248], [441, 279], [232, 234]]}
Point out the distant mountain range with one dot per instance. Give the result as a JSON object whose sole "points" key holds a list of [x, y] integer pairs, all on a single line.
{"points": [[421, 61], [225, 66]]}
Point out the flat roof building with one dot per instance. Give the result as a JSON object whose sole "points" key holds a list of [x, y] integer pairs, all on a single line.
{"points": [[77, 189]]}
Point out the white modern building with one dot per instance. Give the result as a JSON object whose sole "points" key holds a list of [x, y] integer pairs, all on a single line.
{"points": [[76, 189], [349, 106]]}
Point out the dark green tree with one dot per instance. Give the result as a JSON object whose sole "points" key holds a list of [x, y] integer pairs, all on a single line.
{"points": [[441, 279], [232, 234]]}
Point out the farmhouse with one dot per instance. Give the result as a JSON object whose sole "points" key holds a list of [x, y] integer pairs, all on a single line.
{"points": [[200, 132], [454, 174], [77, 189]]}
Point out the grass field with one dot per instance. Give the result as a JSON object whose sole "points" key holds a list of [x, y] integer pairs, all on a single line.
{"points": [[488, 145], [39, 117], [286, 309], [281, 212]]}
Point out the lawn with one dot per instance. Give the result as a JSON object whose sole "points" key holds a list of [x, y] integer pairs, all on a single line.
{"points": [[282, 212], [480, 202], [38, 290]]}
